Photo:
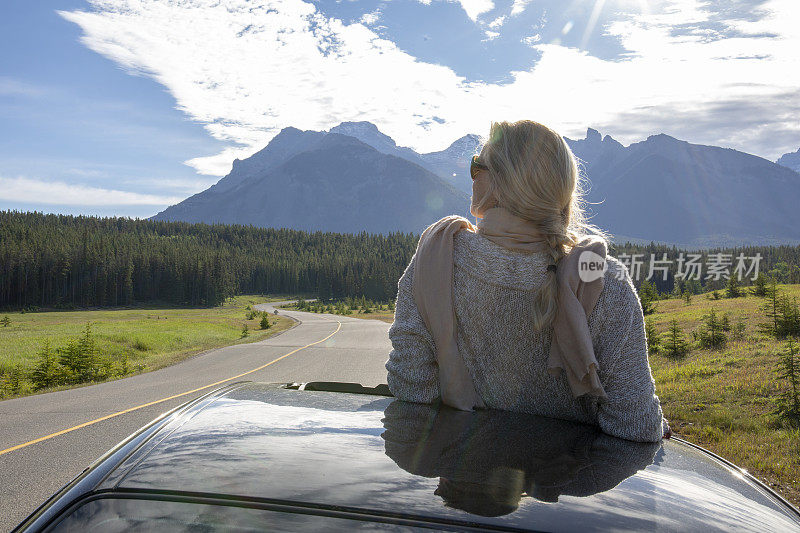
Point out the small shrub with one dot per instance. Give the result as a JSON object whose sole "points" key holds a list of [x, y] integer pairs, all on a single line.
{"points": [[648, 294], [783, 315], [759, 285], [711, 334], [140, 345], [5, 321], [732, 289], [245, 331], [725, 321], [675, 344], [264, 321], [738, 330], [653, 337], [47, 372], [788, 403], [12, 380], [79, 357]]}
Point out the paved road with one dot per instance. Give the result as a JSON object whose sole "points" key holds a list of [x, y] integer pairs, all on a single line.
{"points": [[353, 350]]}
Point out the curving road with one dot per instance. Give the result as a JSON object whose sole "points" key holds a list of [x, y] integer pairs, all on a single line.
{"points": [[79, 425]]}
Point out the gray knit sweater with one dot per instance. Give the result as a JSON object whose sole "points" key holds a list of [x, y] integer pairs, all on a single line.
{"points": [[493, 290]]}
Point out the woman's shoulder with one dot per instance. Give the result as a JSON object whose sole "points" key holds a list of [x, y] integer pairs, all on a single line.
{"points": [[619, 297]]}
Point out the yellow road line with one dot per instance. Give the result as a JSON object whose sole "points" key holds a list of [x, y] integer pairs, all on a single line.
{"points": [[96, 420]]}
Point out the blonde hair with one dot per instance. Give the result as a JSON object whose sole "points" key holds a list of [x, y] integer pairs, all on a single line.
{"points": [[534, 175]]}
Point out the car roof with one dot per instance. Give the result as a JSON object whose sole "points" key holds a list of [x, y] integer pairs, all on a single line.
{"points": [[377, 455]]}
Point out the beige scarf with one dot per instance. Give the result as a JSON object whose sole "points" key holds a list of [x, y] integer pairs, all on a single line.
{"points": [[571, 350]]}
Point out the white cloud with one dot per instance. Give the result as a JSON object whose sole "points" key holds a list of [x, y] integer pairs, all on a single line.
{"points": [[37, 191], [245, 70], [519, 6], [496, 23], [220, 164], [531, 40], [490, 35], [370, 18], [474, 8]]}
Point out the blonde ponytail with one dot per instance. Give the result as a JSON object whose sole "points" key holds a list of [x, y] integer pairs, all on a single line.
{"points": [[535, 175]]}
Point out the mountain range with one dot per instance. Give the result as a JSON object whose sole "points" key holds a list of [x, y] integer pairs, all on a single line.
{"points": [[354, 178], [324, 181]]}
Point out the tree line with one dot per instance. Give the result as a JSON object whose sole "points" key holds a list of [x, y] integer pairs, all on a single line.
{"points": [[67, 261], [64, 261]]}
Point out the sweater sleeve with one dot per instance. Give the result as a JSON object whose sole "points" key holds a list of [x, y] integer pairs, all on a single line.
{"points": [[413, 374], [632, 410]]}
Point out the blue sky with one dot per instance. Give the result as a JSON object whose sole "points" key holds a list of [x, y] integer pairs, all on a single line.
{"points": [[123, 107]]}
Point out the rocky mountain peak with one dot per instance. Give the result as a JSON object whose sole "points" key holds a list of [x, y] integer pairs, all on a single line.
{"points": [[593, 136], [790, 160], [366, 132]]}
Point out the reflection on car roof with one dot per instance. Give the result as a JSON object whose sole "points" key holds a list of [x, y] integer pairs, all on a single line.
{"points": [[379, 455]]}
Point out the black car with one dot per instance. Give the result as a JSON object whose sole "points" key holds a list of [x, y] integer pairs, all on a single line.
{"points": [[328, 456]]}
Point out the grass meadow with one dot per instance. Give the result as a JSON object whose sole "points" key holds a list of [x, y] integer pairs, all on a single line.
{"points": [[150, 337], [723, 399]]}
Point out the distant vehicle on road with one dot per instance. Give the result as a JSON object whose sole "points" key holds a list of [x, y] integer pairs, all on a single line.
{"points": [[339, 456]]}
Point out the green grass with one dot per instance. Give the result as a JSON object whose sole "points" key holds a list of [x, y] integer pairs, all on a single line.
{"points": [[723, 399], [151, 337]]}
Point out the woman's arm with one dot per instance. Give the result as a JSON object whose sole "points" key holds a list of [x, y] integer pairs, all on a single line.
{"points": [[413, 374], [632, 410]]}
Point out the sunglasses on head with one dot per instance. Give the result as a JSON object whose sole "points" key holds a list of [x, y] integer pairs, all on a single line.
{"points": [[475, 165]]}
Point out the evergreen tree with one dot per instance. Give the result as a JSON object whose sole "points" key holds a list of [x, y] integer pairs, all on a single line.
{"points": [[788, 402], [653, 337], [711, 333], [11, 379], [789, 324], [725, 322], [772, 310], [264, 321], [46, 373], [738, 329], [648, 295], [69, 359], [79, 357], [245, 331], [732, 288], [759, 285], [687, 297], [675, 344]]}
